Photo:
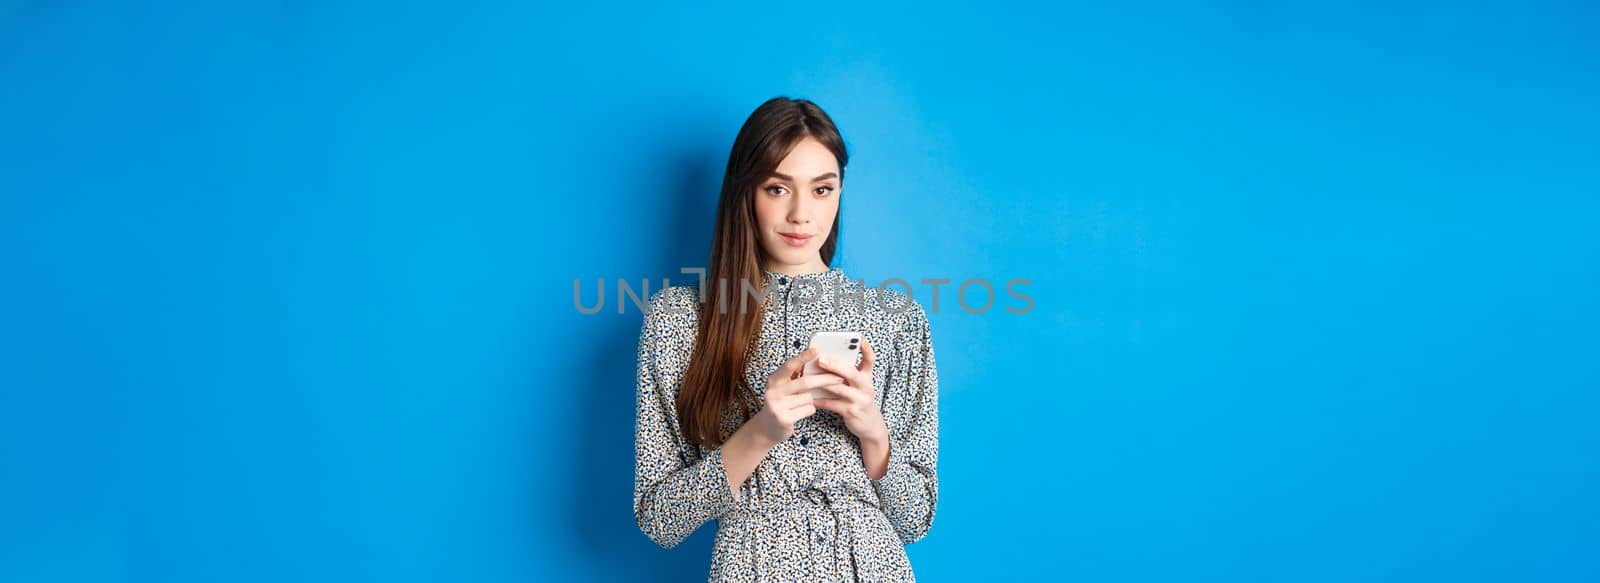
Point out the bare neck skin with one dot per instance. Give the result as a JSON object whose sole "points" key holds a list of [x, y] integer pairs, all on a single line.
{"points": [[815, 265]]}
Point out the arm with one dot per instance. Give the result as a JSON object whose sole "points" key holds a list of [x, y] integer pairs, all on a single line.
{"points": [[673, 496], [908, 490], [875, 456], [743, 451]]}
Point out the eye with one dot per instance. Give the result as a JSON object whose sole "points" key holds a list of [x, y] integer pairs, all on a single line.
{"points": [[776, 190], [825, 191]]}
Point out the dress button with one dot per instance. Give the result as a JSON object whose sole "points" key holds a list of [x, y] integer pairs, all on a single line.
{"points": [[783, 281], [805, 439], [797, 343]]}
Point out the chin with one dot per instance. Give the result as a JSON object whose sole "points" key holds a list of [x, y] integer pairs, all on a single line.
{"points": [[793, 256]]}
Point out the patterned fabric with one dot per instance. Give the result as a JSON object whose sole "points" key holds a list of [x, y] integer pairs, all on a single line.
{"points": [[808, 512]]}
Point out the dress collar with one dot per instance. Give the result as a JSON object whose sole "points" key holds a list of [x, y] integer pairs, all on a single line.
{"points": [[832, 275]]}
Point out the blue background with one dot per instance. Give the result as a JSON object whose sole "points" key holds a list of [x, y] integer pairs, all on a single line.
{"points": [[287, 286]]}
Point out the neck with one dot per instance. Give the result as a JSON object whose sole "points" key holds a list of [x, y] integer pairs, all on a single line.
{"points": [[814, 266]]}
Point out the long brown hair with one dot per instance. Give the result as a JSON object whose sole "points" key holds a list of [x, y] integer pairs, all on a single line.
{"points": [[715, 374]]}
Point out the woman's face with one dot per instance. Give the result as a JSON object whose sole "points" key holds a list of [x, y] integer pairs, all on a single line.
{"points": [[795, 208]]}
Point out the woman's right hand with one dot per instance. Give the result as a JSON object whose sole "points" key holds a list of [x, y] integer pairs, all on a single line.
{"points": [[788, 397]]}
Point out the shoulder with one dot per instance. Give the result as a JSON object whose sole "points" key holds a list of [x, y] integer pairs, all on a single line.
{"points": [[672, 305], [900, 311], [668, 332], [671, 316]]}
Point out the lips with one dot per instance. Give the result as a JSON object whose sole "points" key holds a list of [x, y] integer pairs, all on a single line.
{"points": [[796, 239]]}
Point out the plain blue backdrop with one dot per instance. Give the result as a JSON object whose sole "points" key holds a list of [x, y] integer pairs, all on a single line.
{"points": [[287, 286]]}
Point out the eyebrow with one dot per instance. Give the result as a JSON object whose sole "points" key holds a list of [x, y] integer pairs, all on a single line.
{"points": [[821, 178]]}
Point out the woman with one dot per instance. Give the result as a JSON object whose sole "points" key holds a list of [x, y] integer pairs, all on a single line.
{"points": [[812, 477]]}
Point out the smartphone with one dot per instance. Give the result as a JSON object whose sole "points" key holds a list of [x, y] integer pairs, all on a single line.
{"points": [[842, 346]]}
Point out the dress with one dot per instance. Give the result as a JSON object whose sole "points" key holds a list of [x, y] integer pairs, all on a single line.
{"points": [[808, 512]]}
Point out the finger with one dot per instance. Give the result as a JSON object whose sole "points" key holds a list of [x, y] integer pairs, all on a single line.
{"points": [[842, 392], [813, 381], [801, 406], [866, 356], [795, 401], [783, 406], [834, 366], [789, 367], [835, 405]]}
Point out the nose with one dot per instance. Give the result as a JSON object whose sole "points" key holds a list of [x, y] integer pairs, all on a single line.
{"points": [[799, 210]]}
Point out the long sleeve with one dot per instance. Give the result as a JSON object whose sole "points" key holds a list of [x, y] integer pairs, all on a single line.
{"points": [[672, 495], [908, 492]]}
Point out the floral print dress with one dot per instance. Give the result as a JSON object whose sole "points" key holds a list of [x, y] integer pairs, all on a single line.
{"points": [[808, 512]]}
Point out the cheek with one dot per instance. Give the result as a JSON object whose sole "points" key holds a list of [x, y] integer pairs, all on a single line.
{"points": [[768, 214], [829, 211]]}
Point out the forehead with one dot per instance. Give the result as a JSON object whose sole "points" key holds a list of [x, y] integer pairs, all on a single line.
{"points": [[808, 158]]}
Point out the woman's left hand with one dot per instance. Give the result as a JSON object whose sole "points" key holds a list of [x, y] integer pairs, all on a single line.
{"points": [[855, 399]]}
